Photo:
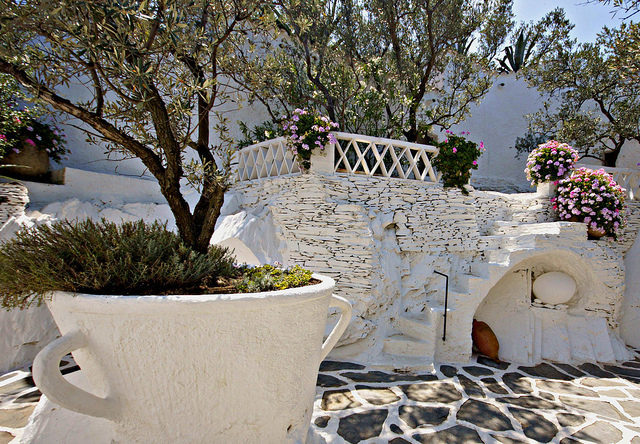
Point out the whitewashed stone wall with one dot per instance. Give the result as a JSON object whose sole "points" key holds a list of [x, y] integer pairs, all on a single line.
{"points": [[13, 200], [23, 333], [382, 239]]}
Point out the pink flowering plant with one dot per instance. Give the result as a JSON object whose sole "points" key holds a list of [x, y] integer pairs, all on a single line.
{"points": [[592, 197], [19, 126], [306, 131], [456, 158], [550, 162]]}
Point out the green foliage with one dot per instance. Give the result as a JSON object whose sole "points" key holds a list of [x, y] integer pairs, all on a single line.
{"points": [[382, 68], [269, 277], [263, 131], [104, 258], [159, 76], [517, 56], [590, 103], [455, 160], [18, 124]]}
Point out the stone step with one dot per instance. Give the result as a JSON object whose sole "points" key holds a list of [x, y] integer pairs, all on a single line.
{"points": [[579, 337], [464, 282], [402, 345], [516, 229], [417, 326], [490, 242], [414, 364]]}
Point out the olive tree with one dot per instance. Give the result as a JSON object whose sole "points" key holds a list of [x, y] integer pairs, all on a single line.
{"points": [[157, 72], [388, 68], [625, 40], [589, 103]]}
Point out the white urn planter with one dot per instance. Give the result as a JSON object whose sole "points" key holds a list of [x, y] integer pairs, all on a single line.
{"points": [[546, 189], [225, 368], [554, 288]]}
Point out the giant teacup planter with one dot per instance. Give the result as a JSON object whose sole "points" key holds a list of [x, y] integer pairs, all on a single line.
{"points": [[224, 368]]}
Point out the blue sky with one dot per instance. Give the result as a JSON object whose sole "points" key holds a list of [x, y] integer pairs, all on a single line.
{"points": [[588, 18]]}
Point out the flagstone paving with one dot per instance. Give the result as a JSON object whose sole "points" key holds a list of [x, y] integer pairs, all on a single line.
{"points": [[482, 401]]}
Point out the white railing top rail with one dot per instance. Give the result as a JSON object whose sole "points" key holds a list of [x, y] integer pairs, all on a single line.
{"points": [[352, 154]]}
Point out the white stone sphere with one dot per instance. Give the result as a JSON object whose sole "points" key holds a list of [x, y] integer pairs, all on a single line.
{"points": [[554, 288]]}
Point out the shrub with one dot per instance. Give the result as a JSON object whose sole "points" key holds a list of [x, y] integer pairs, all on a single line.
{"points": [[18, 124], [455, 160], [550, 161], [592, 197], [105, 258], [269, 277], [264, 131], [306, 131]]}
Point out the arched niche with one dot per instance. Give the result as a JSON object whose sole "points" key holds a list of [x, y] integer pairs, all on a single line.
{"points": [[510, 311]]}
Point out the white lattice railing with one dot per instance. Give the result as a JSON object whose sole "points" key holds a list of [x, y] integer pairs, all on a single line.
{"points": [[375, 156], [270, 158], [627, 178], [352, 154]]}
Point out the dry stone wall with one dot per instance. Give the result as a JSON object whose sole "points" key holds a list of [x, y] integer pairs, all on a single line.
{"points": [[382, 239], [13, 200]]}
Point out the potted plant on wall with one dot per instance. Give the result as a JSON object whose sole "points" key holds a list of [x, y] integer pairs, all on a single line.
{"points": [[164, 367], [547, 164], [592, 197], [456, 158], [307, 131], [26, 144]]}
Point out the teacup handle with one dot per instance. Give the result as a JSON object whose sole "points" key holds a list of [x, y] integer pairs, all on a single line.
{"points": [[47, 376], [340, 327]]}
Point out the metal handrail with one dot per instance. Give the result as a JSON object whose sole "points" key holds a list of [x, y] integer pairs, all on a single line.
{"points": [[446, 304]]}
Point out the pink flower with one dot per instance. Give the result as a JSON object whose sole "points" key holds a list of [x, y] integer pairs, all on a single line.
{"points": [[30, 142], [3, 137], [475, 162], [455, 150]]}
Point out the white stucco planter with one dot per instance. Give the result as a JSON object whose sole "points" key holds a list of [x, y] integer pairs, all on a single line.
{"points": [[546, 189], [208, 368]]}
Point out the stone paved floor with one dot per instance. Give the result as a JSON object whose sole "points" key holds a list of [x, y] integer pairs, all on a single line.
{"points": [[18, 398], [479, 402]]}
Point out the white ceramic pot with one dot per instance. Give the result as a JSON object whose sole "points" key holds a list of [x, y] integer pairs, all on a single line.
{"points": [[227, 368], [546, 189], [554, 288]]}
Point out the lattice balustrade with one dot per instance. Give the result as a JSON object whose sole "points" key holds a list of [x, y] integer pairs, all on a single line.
{"points": [[375, 156], [352, 154], [266, 159]]}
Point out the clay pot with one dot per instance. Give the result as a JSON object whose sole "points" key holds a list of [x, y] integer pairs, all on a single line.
{"points": [[595, 233], [30, 161], [485, 340]]}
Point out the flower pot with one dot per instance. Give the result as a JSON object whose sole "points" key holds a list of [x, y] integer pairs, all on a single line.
{"points": [[209, 368], [546, 189], [595, 233], [30, 162]]}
